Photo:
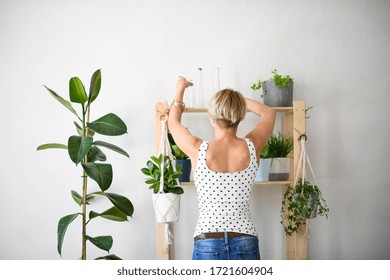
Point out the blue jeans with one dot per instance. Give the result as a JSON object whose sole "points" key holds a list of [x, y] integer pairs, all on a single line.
{"points": [[236, 248]]}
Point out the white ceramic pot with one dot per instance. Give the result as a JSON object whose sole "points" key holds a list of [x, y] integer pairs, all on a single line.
{"points": [[263, 171], [279, 169], [166, 207]]}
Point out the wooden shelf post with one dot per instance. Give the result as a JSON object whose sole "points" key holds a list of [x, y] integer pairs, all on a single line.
{"points": [[163, 251], [296, 244]]}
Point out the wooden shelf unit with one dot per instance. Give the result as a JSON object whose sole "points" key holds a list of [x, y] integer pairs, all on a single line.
{"points": [[294, 125], [189, 184], [204, 110]]}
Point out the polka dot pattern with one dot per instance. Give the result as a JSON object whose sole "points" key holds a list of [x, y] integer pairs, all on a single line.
{"points": [[224, 198]]}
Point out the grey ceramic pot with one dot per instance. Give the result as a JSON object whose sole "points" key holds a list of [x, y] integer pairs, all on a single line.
{"points": [[275, 96], [312, 203]]}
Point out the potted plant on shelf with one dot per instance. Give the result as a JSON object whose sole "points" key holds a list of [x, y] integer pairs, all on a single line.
{"points": [[305, 201], [277, 91], [264, 165], [84, 149], [166, 200], [181, 159], [279, 147]]}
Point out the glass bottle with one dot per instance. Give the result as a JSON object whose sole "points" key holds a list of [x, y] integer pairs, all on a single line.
{"points": [[199, 90], [217, 84], [188, 96]]}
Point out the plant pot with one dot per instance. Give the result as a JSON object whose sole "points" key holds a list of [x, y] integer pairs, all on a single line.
{"points": [[275, 96], [308, 211], [185, 169], [166, 207], [263, 171], [279, 169]]}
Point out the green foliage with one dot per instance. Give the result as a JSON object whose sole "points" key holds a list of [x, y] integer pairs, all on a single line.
{"points": [[256, 86], [279, 146], [177, 153], [108, 257], [303, 201], [102, 242], [77, 91], [110, 125], [153, 171], [265, 152], [83, 149], [63, 224], [280, 81]]}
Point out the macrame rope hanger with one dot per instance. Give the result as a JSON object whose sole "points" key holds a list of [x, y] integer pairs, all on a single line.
{"points": [[165, 150], [302, 163]]}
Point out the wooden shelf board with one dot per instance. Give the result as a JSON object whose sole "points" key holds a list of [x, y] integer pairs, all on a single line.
{"points": [[204, 110], [255, 184]]}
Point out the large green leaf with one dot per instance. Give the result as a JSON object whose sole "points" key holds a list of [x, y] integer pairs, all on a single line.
{"points": [[122, 203], [109, 257], [79, 199], [78, 147], [101, 173], [177, 190], [95, 154], [111, 147], [102, 242], [94, 88], [77, 91], [80, 130], [112, 214], [109, 124], [76, 197], [63, 224], [52, 146], [64, 102]]}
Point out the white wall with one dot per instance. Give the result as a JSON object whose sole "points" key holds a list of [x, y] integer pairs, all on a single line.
{"points": [[337, 51]]}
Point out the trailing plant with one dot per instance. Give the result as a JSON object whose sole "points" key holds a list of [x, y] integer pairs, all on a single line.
{"points": [[84, 149], [303, 201], [153, 171], [176, 151], [279, 146], [281, 81]]}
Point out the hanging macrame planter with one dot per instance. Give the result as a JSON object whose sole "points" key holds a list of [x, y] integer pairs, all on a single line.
{"points": [[308, 206], [166, 205]]}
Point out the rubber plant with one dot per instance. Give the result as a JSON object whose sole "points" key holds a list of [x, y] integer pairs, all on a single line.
{"points": [[83, 149]]}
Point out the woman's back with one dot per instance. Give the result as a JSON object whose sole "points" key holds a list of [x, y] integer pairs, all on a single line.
{"points": [[224, 197], [228, 155]]}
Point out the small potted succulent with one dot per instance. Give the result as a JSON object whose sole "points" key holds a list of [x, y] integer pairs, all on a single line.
{"points": [[169, 195], [181, 159], [305, 201], [279, 148], [277, 91]]}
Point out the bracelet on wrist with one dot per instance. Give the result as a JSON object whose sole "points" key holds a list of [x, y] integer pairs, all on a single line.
{"points": [[178, 103]]}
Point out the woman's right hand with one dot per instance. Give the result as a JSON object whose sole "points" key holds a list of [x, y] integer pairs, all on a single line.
{"points": [[182, 83]]}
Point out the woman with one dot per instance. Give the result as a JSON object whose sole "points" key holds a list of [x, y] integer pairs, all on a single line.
{"points": [[225, 170]]}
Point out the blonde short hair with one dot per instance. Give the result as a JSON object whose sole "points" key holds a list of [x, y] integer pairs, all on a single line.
{"points": [[227, 108]]}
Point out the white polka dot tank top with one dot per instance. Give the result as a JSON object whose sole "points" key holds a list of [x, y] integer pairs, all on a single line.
{"points": [[224, 198]]}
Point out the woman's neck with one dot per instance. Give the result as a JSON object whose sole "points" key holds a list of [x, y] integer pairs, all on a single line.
{"points": [[225, 133]]}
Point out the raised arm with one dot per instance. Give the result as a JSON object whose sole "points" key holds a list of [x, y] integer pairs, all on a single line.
{"points": [[264, 128], [187, 142]]}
